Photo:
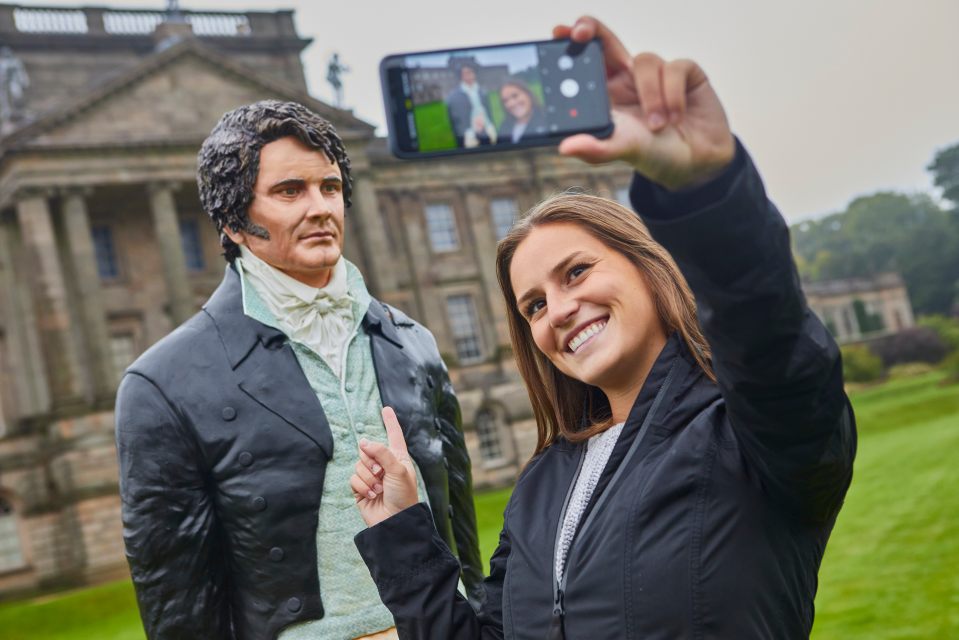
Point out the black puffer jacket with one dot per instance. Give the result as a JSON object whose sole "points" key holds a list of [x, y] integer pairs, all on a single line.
{"points": [[223, 448], [720, 497]]}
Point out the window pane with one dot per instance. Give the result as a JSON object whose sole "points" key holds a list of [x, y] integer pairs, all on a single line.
{"points": [[441, 226], [192, 249], [11, 555], [465, 328], [488, 433], [123, 351], [504, 212], [106, 255]]}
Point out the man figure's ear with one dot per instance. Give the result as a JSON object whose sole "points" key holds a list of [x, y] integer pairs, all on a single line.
{"points": [[236, 236]]}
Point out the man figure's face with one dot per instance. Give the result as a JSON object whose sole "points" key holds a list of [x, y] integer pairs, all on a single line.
{"points": [[468, 76], [298, 199]]}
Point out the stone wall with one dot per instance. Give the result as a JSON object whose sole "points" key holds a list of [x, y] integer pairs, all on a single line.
{"points": [[62, 482]]}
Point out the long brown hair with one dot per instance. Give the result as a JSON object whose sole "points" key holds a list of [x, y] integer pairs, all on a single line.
{"points": [[560, 403]]}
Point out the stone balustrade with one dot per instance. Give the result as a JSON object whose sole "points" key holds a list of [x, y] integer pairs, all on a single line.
{"points": [[132, 22]]}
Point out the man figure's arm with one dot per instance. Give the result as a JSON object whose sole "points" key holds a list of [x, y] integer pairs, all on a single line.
{"points": [[463, 520], [168, 519]]}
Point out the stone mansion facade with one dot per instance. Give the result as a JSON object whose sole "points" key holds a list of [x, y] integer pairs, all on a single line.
{"points": [[104, 249]]}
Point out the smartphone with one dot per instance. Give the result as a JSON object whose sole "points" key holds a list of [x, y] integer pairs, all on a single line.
{"points": [[494, 98]]}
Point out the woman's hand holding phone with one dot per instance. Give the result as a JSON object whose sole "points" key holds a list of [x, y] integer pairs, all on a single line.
{"points": [[669, 123], [384, 479]]}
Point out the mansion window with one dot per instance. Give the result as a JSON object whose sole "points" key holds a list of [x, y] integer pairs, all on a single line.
{"points": [[122, 351], [465, 328], [504, 211], [107, 265], [11, 555], [192, 247], [441, 226], [488, 434]]}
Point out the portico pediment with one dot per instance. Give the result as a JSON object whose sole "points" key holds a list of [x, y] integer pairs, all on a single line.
{"points": [[173, 97]]}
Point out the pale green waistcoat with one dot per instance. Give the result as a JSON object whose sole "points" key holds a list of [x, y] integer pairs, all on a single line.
{"points": [[352, 405]]}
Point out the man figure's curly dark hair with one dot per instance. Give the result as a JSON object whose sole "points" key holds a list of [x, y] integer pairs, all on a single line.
{"points": [[229, 160]]}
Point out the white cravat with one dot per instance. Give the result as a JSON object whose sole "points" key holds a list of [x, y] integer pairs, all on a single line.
{"points": [[321, 319]]}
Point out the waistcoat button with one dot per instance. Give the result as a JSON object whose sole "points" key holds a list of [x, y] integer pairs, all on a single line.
{"points": [[246, 458], [228, 413], [259, 503], [276, 554], [294, 605]]}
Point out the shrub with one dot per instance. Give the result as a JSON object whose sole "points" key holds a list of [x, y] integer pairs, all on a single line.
{"points": [[859, 364], [951, 366], [916, 344], [947, 328], [909, 370]]}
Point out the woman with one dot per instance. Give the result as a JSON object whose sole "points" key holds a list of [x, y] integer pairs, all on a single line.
{"points": [[685, 483], [524, 114]]}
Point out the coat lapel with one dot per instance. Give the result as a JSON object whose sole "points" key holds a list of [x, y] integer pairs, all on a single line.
{"points": [[396, 372], [266, 367]]}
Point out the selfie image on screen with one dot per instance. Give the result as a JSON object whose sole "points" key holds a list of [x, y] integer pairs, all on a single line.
{"points": [[499, 96]]}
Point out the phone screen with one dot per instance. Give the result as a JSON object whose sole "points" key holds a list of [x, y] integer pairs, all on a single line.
{"points": [[494, 98]]}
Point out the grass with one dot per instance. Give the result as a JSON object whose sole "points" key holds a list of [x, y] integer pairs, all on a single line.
{"points": [[890, 571], [489, 521], [433, 126], [106, 612]]}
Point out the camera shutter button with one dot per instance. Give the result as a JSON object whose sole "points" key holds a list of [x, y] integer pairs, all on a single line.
{"points": [[569, 88]]}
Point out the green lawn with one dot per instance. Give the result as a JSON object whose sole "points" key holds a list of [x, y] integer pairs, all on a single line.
{"points": [[108, 612], [891, 570], [433, 126]]}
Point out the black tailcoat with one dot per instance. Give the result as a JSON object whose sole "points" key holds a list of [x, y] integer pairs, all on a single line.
{"points": [[223, 448]]}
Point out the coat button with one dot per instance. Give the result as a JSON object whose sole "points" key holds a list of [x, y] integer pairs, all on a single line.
{"points": [[228, 413], [350, 387], [259, 503], [276, 554], [294, 605], [246, 458]]}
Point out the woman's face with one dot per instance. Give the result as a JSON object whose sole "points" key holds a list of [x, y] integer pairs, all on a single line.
{"points": [[589, 308], [517, 102]]}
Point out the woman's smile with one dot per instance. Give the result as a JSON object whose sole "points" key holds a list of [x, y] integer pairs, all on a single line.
{"points": [[584, 336]]}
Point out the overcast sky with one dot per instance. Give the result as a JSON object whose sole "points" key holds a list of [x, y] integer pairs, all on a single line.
{"points": [[834, 98]]}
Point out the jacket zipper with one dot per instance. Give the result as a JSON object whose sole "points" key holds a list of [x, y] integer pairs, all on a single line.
{"points": [[559, 587], [559, 606]]}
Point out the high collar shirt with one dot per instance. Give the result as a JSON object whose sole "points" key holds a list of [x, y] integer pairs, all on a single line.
{"points": [[320, 318]]}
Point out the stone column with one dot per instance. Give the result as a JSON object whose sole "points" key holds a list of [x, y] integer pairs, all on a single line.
{"points": [[50, 299], [484, 246], [166, 224], [23, 352], [76, 222], [380, 249]]}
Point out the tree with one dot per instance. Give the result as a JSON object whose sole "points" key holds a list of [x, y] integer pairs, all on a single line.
{"points": [[945, 172], [885, 231]]}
